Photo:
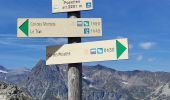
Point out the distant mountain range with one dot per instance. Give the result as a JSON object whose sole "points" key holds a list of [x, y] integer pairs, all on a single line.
{"points": [[99, 83]]}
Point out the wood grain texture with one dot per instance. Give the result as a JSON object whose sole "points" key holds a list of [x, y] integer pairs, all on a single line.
{"points": [[74, 70]]}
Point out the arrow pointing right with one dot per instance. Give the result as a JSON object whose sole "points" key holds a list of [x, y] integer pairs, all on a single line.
{"points": [[24, 27], [120, 49]]}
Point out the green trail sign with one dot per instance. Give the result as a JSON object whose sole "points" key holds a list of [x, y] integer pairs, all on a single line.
{"points": [[87, 52], [59, 27]]}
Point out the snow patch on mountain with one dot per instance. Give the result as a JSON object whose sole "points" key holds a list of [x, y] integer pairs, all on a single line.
{"points": [[19, 71], [126, 83], [85, 77], [5, 72], [166, 90]]}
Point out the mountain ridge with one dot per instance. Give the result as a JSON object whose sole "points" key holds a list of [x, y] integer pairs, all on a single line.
{"points": [[44, 82]]}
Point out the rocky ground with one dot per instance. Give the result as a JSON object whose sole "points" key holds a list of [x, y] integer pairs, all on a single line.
{"points": [[11, 92]]}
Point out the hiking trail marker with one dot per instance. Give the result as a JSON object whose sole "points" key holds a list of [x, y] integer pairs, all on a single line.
{"points": [[87, 52], [75, 52], [71, 5], [59, 27]]}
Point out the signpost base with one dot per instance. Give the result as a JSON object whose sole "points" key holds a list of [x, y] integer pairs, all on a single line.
{"points": [[75, 81]]}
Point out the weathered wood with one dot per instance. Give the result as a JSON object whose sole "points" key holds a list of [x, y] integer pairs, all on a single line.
{"points": [[75, 81], [74, 70]]}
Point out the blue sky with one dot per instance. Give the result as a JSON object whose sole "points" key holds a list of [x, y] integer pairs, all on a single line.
{"points": [[144, 22]]}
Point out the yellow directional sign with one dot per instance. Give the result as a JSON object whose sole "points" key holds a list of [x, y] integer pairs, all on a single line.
{"points": [[87, 52], [71, 5], [59, 27]]}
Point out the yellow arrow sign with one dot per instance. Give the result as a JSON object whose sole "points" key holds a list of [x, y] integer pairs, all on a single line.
{"points": [[87, 52]]}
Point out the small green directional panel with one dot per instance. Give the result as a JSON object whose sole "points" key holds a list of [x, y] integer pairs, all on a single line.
{"points": [[24, 27], [120, 49]]}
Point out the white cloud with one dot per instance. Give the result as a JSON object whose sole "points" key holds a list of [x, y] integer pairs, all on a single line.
{"points": [[35, 46], [130, 46], [7, 35], [12, 40], [146, 45], [16, 42], [139, 57], [119, 37], [151, 59]]}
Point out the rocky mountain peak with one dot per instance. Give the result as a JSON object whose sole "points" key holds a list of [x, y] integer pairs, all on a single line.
{"points": [[3, 68], [45, 82], [41, 63], [41, 67]]}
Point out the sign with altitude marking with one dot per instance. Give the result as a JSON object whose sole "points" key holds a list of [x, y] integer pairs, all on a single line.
{"points": [[87, 52], [62, 27], [71, 5]]}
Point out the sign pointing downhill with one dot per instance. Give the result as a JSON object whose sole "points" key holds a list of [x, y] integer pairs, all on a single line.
{"points": [[24, 27], [120, 49]]}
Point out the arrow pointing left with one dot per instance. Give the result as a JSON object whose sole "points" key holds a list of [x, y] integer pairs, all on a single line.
{"points": [[24, 27]]}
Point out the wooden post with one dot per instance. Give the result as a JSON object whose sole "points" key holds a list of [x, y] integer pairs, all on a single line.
{"points": [[74, 70]]}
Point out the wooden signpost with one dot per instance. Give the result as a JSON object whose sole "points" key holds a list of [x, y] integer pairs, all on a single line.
{"points": [[75, 69], [75, 52]]}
